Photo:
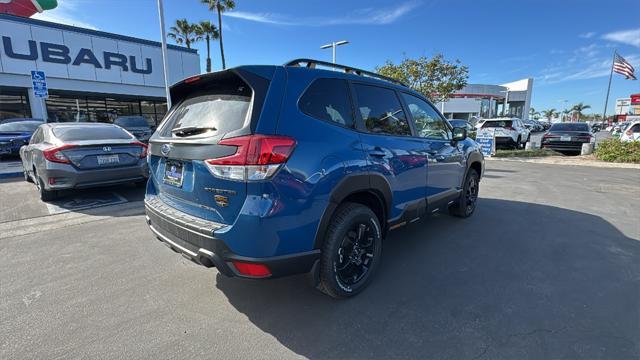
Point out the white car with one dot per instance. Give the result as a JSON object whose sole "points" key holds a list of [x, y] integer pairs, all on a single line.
{"points": [[508, 132], [632, 132]]}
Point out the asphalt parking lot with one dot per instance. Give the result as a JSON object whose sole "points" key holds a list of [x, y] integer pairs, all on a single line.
{"points": [[546, 268]]}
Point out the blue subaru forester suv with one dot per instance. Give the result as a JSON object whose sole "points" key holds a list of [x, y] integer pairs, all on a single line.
{"points": [[267, 171]]}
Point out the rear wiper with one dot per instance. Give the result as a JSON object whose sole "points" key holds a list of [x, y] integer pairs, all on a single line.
{"points": [[191, 130]]}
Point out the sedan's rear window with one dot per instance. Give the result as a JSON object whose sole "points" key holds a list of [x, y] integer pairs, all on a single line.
{"points": [[131, 121], [82, 133], [569, 127], [497, 124]]}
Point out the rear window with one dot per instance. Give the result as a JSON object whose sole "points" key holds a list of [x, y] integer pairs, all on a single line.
{"points": [[569, 127], [131, 121], [81, 133], [207, 115], [497, 124]]}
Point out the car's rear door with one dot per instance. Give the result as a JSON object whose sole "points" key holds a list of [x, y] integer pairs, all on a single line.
{"points": [[208, 109], [391, 149]]}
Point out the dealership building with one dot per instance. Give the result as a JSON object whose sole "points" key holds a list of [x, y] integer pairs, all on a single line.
{"points": [[487, 101], [90, 75]]}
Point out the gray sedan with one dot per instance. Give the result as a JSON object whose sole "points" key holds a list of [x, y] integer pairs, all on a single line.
{"points": [[80, 155]]}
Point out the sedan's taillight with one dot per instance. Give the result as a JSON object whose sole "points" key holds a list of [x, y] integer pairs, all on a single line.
{"points": [[54, 154], [257, 157], [143, 153]]}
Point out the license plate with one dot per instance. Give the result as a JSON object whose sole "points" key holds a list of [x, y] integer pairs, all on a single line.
{"points": [[173, 171], [108, 159], [565, 138]]}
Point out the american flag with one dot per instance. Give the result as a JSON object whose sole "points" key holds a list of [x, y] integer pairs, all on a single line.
{"points": [[622, 67]]}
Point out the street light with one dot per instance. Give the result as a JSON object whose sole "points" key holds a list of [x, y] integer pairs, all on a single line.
{"points": [[333, 47]]}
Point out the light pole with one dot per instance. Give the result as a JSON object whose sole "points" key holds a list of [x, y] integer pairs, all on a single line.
{"points": [[333, 46], [165, 64]]}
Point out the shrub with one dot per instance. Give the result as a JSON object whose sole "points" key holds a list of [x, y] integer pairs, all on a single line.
{"points": [[614, 150], [526, 153]]}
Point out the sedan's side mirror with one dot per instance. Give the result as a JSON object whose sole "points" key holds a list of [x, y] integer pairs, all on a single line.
{"points": [[459, 134]]}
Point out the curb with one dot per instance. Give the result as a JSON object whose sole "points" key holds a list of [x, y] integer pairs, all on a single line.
{"points": [[10, 175], [567, 162]]}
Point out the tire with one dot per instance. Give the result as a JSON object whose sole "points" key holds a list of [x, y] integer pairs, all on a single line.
{"points": [[45, 195], [344, 275], [517, 146], [27, 178], [466, 204]]}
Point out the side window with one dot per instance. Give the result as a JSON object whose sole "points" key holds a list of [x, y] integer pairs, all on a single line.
{"points": [[635, 128], [428, 123], [328, 100], [381, 110]]}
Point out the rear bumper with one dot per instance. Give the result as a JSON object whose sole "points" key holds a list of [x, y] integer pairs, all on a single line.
{"points": [[68, 177], [505, 141], [564, 145], [195, 239]]}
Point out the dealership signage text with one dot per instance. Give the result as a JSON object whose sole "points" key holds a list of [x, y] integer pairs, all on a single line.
{"points": [[61, 54]]}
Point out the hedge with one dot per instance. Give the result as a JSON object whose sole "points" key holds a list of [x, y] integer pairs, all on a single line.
{"points": [[614, 150]]}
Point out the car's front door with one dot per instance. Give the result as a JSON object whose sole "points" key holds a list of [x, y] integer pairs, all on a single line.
{"points": [[446, 163], [391, 149]]}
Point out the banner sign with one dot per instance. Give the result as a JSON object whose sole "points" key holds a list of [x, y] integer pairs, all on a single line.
{"points": [[39, 84], [486, 139]]}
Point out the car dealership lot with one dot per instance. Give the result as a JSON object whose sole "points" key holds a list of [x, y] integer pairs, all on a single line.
{"points": [[546, 268]]}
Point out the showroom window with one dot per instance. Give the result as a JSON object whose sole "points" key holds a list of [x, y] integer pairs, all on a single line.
{"points": [[14, 104]]}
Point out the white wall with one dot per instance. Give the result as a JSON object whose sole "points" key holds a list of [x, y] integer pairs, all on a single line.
{"points": [[86, 77]]}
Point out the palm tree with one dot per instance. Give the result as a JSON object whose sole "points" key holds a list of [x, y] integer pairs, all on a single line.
{"points": [[550, 113], [183, 32], [220, 6], [534, 114], [209, 31], [579, 108]]}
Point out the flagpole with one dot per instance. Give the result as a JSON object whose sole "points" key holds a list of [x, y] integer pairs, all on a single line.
{"points": [[165, 59], [606, 101]]}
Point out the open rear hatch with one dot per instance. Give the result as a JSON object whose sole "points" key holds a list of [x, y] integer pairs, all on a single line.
{"points": [[207, 109]]}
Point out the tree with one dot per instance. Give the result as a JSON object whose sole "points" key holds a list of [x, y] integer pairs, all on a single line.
{"points": [[549, 113], [579, 108], [184, 32], [220, 6], [435, 78], [534, 114], [209, 32]]}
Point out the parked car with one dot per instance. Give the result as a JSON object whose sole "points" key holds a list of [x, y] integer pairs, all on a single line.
{"points": [[471, 130], [533, 126], [632, 132], [266, 171], [137, 125], [9, 120], [568, 138], [15, 134], [509, 132], [64, 156]]}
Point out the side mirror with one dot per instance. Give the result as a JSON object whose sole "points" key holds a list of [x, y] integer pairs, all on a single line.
{"points": [[459, 134]]}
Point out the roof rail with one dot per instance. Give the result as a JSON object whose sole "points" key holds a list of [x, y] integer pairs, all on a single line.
{"points": [[310, 63]]}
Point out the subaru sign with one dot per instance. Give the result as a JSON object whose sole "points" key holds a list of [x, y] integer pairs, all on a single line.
{"points": [[39, 81]]}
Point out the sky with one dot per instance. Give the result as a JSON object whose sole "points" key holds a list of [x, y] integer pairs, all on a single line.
{"points": [[566, 46]]}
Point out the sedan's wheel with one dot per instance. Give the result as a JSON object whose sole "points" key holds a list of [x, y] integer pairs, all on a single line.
{"points": [[45, 195], [351, 251], [466, 204]]}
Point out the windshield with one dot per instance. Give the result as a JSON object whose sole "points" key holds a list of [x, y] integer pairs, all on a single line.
{"points": [[131, 121], [207, 114], [20, 126], [569, 127]]}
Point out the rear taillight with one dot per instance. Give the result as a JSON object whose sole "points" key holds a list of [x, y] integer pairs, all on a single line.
{"points": [[257, 157], [143, 153], [252, 270], [55, 154]]}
